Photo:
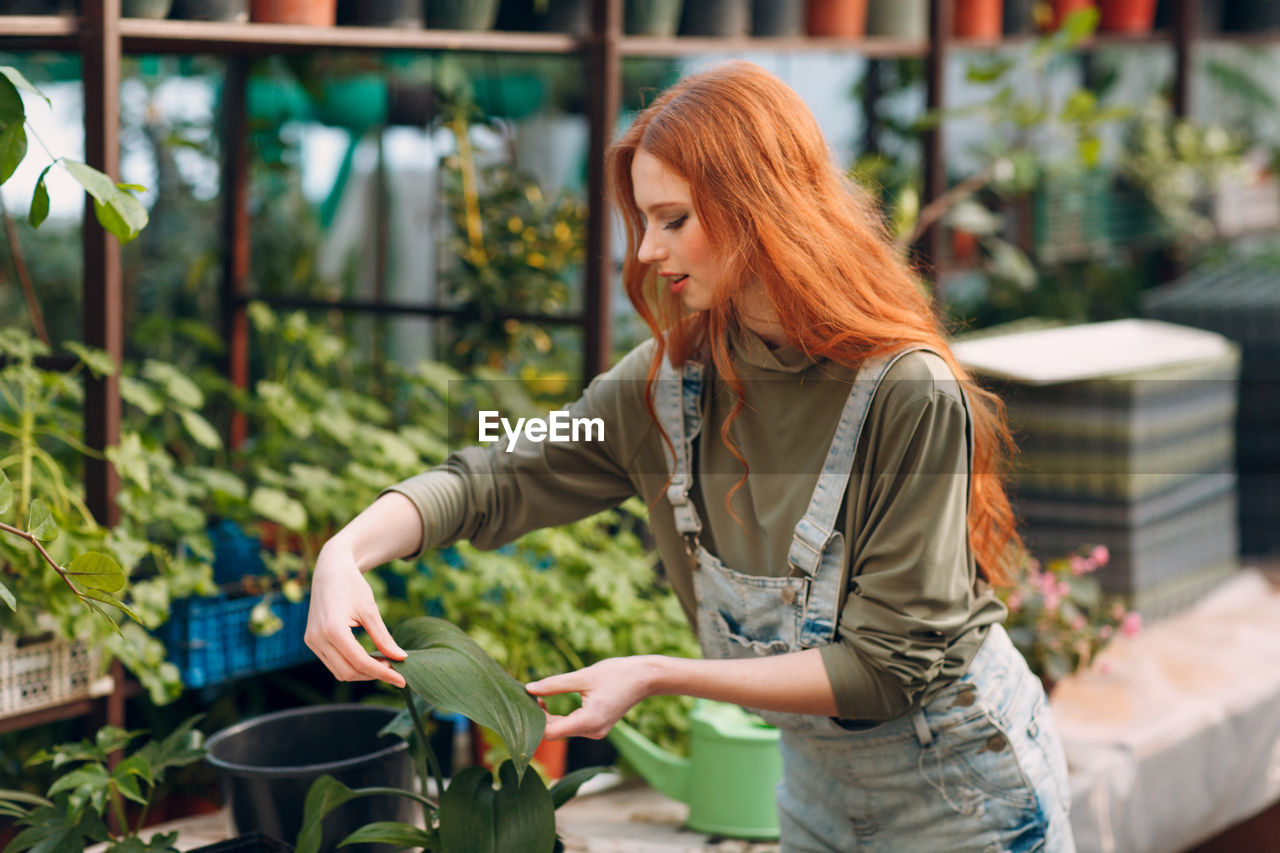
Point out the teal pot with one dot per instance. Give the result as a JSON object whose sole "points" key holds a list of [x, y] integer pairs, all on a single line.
{"points": [[722, 18], [653, 17], [1019, 17], [266, 764], [401, 14], [356, 103], [145, 8], [1251, 16], [39, 7], [905, 19], [462, 14], [211, 10], [777, 18]]}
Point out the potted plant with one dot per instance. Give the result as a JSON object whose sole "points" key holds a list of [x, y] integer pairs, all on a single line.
{"points": [[1059, 618], [446, 669], [718, 18], [310, 13], [89, 786], [843, 18], [978, 19]]}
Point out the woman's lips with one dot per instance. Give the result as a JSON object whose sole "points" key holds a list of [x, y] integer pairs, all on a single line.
{"points": [[678, 283]]}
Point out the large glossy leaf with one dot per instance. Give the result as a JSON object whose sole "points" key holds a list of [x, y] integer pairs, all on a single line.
{"points": [[15, 77], [39, 210], [325, 795], [518, 817], [13, 147], [566, 788], [449, 669]]}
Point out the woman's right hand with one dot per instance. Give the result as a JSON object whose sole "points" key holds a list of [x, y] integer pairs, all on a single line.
{"points": [[341, 599]]}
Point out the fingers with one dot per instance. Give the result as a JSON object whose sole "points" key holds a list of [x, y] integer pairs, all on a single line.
{"points": [[569, 682], [381, 637], [580, 723]]}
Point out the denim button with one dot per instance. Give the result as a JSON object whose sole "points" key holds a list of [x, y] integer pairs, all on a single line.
{"points": [[996, 742]]}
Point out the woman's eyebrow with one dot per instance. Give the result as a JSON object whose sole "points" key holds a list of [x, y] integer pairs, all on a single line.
{"points": [[663, 205]]}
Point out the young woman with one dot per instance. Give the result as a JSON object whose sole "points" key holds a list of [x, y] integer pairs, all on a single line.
{"points": [[821, 485]]}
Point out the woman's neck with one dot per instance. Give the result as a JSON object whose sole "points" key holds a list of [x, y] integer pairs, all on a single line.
{"points": [[755, 312]]}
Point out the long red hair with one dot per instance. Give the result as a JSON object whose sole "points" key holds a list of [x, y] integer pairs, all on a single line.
{"points": [[768, 193]]}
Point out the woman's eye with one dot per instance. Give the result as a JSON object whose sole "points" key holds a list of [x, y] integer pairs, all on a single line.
{"points": [[674, 225]]}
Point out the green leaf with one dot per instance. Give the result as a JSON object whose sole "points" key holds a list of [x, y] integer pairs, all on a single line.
{"points": [[108, 598], [12, 110], [324, 795], [185, 745], [200, 429], [39, 211], [6, 595], [15, 77], [448, 669], [9, 795], [52, 829], [275, 505], [95, 570], [139, 394], [40, 522], [115, 208], [390, 832], [6, 492], [174, 382], [515, 818], [13, 147], [566, 788], [98, 361]]}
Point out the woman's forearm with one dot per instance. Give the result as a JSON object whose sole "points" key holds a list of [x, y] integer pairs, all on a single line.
{"points": [[389, 528], [794, 683]]}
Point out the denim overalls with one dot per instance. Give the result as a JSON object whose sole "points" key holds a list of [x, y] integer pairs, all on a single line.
{"points": [[978, 768]]}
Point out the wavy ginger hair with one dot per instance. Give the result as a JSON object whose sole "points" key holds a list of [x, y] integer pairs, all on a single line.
{"points": [[767, 192]]}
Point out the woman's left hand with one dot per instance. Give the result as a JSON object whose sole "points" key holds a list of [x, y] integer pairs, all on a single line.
{"points": [[608, 689]]}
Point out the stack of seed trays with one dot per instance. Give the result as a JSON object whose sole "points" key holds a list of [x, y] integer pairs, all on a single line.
{"points": [[1241, 300], [1126, 439]]}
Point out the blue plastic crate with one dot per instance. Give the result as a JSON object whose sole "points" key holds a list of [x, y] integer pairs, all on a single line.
{"points": [[210, 642], [235, 553]]}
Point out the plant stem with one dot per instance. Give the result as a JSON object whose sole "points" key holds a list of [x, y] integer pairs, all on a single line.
{"points": [[117, 807], [428, 754], [5, 528]]}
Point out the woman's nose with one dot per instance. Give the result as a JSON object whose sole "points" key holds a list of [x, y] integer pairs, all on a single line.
{"points": [[651, 250]]}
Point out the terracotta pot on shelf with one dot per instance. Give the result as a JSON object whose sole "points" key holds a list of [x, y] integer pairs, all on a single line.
{"points": [[1127, 16], [1063, 8], [978, 19], [311, 13], [844, 18]]}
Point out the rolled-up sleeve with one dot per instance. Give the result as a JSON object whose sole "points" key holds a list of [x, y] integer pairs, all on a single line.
{"points": [[491, 496], [911, 575]]}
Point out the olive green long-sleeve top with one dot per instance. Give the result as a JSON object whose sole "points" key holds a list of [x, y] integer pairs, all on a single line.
{"points": [[914, 610]]}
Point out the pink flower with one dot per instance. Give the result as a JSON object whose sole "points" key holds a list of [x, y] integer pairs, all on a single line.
{"points": [[1105, 632], [1101, 555], [1015, 601], [1064, 589], [1082, 565], [1047, 583], [1132, 624], [1078, 622], [1052, 600]]}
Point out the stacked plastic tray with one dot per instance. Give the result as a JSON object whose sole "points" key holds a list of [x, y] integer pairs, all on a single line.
{"points": [[1242, 302], [1126, 439]]}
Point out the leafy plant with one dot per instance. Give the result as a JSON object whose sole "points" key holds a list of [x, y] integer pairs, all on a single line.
{"points": [[114, 204], [70, 815], [1058, 616], [447, 669]]}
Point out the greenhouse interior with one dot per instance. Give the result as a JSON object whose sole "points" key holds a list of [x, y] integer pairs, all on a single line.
{"points": [[342, 500]]}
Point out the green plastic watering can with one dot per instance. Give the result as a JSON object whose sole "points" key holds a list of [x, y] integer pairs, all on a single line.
{"points": [[728, 780]]}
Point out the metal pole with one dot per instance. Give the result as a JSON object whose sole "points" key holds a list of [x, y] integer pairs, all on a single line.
{"points": [[603, 95]]}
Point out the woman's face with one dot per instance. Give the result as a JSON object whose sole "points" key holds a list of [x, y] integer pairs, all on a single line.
{"points": [[674, 242]]}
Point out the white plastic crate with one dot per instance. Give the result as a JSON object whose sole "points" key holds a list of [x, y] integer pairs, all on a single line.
{"points": [[41, 672]]}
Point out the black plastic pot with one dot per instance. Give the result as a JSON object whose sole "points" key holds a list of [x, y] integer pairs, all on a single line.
{"points": [[402, 14], [265, 766], [462, 14], [777, 17], [716, 18], [568, 16], [1251, 16], [211, 10], [1210, 15]]}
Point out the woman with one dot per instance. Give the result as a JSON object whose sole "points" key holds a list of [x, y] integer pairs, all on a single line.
{"points": [[833, 539]]}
